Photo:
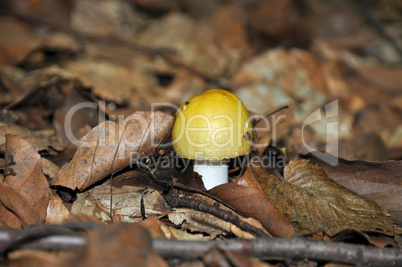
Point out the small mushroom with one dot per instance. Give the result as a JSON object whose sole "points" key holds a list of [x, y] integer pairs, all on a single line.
{"points": [[210, 128]]}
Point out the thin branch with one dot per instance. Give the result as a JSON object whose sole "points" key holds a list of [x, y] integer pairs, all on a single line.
{"points": [[269, 114], [287, 248], [263, 248], [14, 239]]}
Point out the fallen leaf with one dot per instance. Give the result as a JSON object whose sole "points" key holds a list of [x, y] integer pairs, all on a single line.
{"points": [[25, 191], [15, 212], [355, 236], [126, 203], [377, 181], [315, 202], [111, 146], [43, 140], [253, 203]]}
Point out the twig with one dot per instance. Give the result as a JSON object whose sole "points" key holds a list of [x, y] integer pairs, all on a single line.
{"points": [[269, 114], [287, 248], [99, 205], [12, 240], [12, 162], [215, 211]]}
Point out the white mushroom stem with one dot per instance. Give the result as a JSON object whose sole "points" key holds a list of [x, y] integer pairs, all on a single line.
{"points": [[213, 173]]}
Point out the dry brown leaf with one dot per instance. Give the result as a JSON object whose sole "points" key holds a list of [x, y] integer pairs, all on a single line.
{"points": [[15, 212], [111, 146], [315, 202], [126, 203], [353, 235], [377, 181], [40, 140], [25, 191], [253, 203]]}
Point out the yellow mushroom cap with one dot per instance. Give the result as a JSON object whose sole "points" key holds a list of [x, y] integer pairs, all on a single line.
{"points": [[213, 126]]}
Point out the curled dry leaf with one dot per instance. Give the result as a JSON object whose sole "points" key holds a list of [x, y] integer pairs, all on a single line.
{"points": [[111, 146], [315, 202], [25, 192], [253, 202]]}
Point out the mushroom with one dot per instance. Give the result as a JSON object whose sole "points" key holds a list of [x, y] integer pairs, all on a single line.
{"points": [[210, 128]]}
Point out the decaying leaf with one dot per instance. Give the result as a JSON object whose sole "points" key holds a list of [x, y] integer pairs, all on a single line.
{"points": [[314, 202], [25, 192], [252, 202], [111, 146]]}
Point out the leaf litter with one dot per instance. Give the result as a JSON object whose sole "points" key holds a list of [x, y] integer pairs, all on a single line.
{"points": [[301, 54], [314, 202]]}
